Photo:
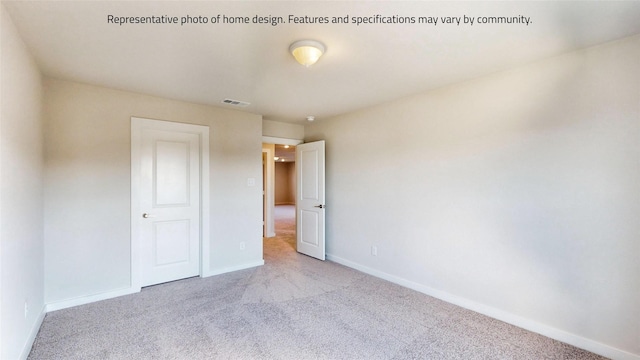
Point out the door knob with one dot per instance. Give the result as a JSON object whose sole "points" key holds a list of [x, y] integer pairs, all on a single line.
{"points": [[320, 206], [146, 216]]}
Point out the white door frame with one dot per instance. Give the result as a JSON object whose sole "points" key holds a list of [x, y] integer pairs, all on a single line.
{"points": [[137, 125], [268, 151]]}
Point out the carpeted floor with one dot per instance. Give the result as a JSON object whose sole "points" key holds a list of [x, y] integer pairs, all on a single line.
{"points": [[293, 307]]}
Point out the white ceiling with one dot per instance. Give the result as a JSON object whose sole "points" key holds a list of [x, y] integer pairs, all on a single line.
{"points": [[363, 65]]}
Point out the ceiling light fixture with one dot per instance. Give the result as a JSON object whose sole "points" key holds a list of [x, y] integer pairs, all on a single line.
{"points": [[307, 52], [311, 118]]}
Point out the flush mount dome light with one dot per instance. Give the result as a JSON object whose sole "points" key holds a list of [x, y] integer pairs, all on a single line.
{"points": [[306, 52]]}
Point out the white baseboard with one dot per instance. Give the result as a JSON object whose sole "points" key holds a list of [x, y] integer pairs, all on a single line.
{"points": [[32, 335], [82, 300], [233, 268], [525, 323]]}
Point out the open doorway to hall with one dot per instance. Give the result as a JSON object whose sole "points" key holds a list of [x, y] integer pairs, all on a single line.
{"points": [[279, 169], [285, 193]]}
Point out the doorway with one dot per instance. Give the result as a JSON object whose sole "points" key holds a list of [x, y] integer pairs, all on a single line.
{"points": [[285, 193], [278, 183], [309, 195]]}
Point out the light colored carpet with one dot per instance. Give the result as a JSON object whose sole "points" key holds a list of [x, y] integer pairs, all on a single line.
{"points": [[293, 307]]}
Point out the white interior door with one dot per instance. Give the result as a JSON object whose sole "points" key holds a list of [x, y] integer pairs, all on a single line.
{"points": [[310, 205], [169, 199]]}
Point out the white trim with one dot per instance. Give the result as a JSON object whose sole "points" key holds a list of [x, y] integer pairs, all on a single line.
{"points": [[82, 300], [205, 197], [137, 125], [136, 130], [26, 349], [269, 191], [233, 268], [519, 321], [280, 141]]}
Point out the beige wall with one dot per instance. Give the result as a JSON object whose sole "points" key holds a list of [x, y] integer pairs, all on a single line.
{"points": [[515, 194], [285, 183], [282, 130], [21, 195], [87, 204]]}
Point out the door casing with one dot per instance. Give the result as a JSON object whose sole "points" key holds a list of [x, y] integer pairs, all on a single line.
{"points": [[137, 127], [269, 180]]}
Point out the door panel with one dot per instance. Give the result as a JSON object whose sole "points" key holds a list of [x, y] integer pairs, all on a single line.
{"points": [[170, 202], [309, 163], [310, 199], [172, 173], [309, 227], [170, 242]]}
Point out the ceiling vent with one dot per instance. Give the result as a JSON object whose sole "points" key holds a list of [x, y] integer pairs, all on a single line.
{"points": [[235, 102]]}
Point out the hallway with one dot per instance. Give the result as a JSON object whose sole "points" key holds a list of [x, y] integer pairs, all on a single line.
{"points": [[282, 247], [285, 220]]}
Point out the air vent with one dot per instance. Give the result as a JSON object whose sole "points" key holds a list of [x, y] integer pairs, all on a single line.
{"points": [[235, 102]]}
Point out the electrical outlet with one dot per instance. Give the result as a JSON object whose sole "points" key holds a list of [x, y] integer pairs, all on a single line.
{"points": [[242, 245], [26, 309], [374, 250]]}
